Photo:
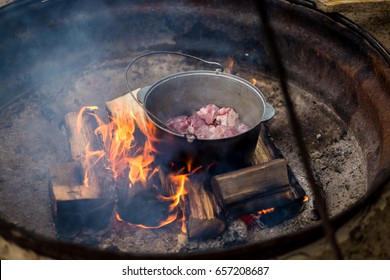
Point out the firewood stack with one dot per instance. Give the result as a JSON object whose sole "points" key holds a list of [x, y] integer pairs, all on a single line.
{"points": [[208, 203]]}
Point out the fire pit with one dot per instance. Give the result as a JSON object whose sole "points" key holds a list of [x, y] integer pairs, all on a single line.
{"points": [[71, 54]]}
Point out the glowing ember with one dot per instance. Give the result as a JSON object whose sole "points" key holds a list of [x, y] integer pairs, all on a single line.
{"points": [[305, 199], [266, 211]]}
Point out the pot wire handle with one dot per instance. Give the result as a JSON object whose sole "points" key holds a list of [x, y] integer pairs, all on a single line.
{"points": [[219, 67], [189, 136]]}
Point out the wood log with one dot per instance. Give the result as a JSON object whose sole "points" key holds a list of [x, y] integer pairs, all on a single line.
{"points": [[76, 204], [270, 148], [268, 183], [247, 183], [81, 134], [356, 6], [200, 208], [262, 202], [203, 214], [67, 183], [127, 103]]}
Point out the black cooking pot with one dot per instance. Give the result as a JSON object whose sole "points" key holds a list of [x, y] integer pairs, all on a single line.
{"points": [[184, 93]]}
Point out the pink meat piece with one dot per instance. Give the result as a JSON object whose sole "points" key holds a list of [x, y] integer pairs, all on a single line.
{"points": [[241, 128], [221, 119], [205, 132], [227, 117], [210, 122], [179, 124], [195, 122], [222, 131], [232, 119], [208, 113], [224, 111]]}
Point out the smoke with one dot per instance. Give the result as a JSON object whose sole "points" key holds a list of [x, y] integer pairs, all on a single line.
{"points": [[57, 56]]}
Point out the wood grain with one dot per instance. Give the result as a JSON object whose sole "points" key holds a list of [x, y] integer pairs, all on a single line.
{"points": [[361, 6], [246, 183]]}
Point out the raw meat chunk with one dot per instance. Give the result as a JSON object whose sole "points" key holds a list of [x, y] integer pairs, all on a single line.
{"points": [[208, 113], [179, 124], [209, 122]]}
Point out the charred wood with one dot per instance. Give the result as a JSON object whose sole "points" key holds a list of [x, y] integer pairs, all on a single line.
{"points": [[75, 206], [78, 201]]}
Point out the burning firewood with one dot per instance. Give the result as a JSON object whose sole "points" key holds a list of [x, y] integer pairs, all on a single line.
{"points": [[139, 201], [81, 191], [199, 208], [268, 183]]}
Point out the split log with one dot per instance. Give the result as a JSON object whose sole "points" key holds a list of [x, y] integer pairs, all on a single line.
{"points": [[76, 204], [127, 103], [73, 205], [199, 207], [81, 131], [247, 183], [268, 183], [355, 6], [202, 212]]}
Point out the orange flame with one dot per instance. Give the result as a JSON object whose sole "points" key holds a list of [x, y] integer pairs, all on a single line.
{"points": [[254, 81], [91, 158], [229, 65], [179, 181], [183, 224], [266, 211], [132, 158], [80, 115], [305, 198]]}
